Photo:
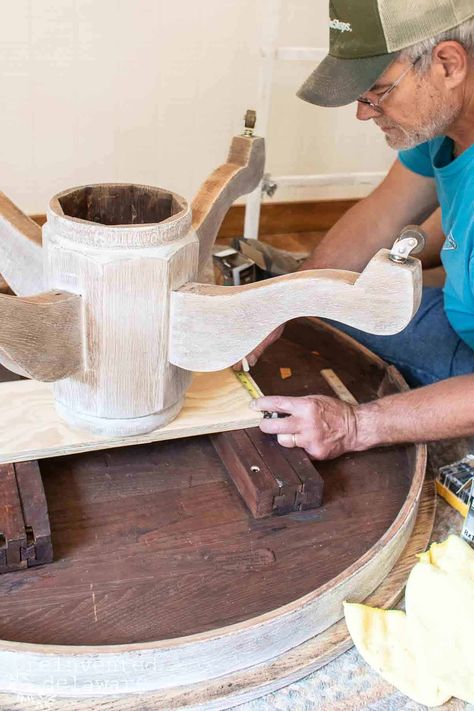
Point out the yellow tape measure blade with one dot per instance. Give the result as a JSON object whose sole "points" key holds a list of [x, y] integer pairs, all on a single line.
{"points": [[249, 384]]}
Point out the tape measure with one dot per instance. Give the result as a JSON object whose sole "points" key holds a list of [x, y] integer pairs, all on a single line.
{"points": [[252, 388], [328, 374], [249, 384]]}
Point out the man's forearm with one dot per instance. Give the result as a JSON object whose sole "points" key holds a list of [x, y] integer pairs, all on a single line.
{"points": [[373, 223], [430, 256], [353, 240], [440, 411]]}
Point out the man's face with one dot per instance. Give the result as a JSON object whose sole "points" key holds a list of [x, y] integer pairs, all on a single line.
{"points": [[416, 111]]}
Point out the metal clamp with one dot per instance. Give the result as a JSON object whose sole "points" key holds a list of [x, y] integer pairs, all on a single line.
{"points": [[268, 185], [411, 240]]}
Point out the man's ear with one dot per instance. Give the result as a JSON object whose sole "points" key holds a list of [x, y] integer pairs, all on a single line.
{"points": [[450, 62]]}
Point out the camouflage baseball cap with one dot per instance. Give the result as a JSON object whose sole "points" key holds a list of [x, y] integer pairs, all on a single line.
{"points": [[365, 36]]}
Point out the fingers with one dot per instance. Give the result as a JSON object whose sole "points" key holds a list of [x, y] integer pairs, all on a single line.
{"points": [[284, 425], [276, 403], [288, 440], [254, 356], [256, 353], [324, 427]]}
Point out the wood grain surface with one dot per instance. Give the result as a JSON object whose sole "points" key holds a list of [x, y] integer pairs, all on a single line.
{"points": [[270, 479], [123, 272], [30, 427], [382, 299], [25, 534], [124, 248], [254, 682], [41, 336], [240, 174], [156, 553], [21, 257], [163, 524]]}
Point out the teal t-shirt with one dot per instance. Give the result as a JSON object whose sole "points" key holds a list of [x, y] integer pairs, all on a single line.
{"points": [[454, 180]]}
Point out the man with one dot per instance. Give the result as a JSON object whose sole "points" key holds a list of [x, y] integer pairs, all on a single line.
{"points": [[410, 67]]}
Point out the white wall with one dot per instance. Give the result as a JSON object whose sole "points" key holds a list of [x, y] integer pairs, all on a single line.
{"points": [[151, 91]]}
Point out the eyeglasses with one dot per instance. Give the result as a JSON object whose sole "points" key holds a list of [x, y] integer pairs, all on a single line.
{"points": [[376, 104]]}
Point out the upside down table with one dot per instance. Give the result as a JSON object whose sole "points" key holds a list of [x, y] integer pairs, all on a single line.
{"points": [[165, 592]]}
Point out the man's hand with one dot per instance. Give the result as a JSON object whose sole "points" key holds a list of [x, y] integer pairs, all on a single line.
{"points": [[257, 352], [326, 427], [323, 426]]}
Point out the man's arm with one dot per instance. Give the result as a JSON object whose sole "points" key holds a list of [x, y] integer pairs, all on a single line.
{"points": [[327, 427], [439, 411], [402, 198], [430, 256]]}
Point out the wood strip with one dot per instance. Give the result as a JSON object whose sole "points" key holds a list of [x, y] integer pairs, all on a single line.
{"points": [[392, 382], [249, 472], [30, 427], [269, 449], [302, 484], [311, 494], [35, 512], [12, 525], [271, 479], [334, 381]]}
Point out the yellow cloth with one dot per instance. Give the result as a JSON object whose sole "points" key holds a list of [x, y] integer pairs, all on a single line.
{"points": [[427, 652]]}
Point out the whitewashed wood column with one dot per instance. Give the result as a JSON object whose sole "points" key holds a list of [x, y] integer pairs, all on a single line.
{"points": [[124, 273]]}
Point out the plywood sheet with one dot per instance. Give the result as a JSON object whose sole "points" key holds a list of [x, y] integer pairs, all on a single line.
{"points": [[30, 428]]}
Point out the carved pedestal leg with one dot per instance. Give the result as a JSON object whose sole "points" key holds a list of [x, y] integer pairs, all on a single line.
{"points": [[124, 273]]}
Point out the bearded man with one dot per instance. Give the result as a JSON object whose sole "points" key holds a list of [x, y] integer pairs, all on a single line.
{"points": [[410, 68]]}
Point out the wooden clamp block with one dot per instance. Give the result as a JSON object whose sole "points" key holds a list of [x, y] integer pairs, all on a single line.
{"points": [[25, 534], [270, 478]]}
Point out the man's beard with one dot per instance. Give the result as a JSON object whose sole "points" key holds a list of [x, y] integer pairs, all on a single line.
{"points": [[402, 138]]}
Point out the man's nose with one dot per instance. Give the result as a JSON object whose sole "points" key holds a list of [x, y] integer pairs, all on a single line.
{"points": [[365, 112]]}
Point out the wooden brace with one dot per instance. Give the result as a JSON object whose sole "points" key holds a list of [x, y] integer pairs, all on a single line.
{"points": [[21, 259], [381, 300], [41, 336]]}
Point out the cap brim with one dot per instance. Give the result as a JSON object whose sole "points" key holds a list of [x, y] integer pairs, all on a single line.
{"points": [[338, 82]]}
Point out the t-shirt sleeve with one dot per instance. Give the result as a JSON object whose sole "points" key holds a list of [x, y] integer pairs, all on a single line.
{"points": [[418, 159]]}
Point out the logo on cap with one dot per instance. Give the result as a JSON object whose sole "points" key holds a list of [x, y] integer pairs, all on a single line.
{"points": [[341, 26]]}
